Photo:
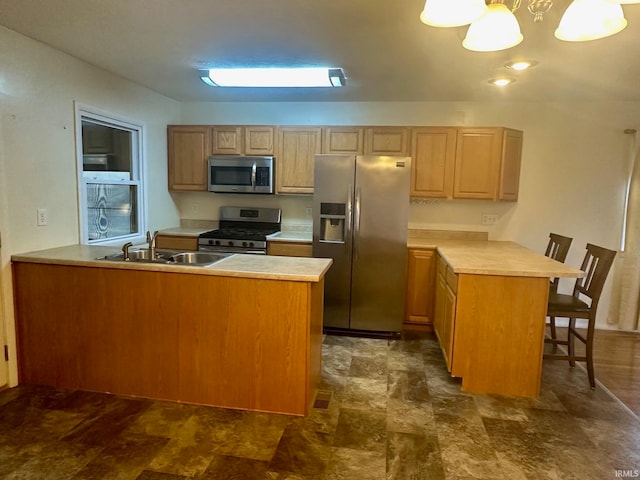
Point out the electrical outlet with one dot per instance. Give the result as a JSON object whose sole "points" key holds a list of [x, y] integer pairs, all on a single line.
{"points": [[43, 217], [489, 219], [195, 207], [309, 211]]}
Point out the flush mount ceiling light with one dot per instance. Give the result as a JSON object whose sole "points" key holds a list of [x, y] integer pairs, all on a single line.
{"points": [[498, 29], [501, 82], [521, 65], [273, 77]]}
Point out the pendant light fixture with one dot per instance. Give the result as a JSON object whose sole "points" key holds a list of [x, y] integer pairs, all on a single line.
{"points": [[497, 29], [586, 20], [452, 13]]}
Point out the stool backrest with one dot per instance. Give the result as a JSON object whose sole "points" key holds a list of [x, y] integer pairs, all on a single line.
{"points": [[596, 265], [557, 249]]}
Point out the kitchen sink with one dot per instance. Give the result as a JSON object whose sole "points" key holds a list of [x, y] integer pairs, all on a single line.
{"points": [[199, 259]]}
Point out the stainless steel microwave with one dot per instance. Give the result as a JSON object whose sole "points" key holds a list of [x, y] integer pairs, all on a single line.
{"points": [[238, 174]]}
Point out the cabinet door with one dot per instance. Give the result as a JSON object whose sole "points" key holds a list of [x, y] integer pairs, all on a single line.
{"points": [[433, 151], [297, 147], [188, 149], [477, 163], [348, 140], [420, 286], [510, 164], [258, 140], [226, 140], [439, 310], [449, 318], [386, 141]]}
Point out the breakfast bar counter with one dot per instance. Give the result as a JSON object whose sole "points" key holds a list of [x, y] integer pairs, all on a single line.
{"points": [[490, 310], [244, 332]]}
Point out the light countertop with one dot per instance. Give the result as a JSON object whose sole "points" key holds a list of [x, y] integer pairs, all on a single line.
{"points": [[291, 236], [184, 231], [299, 269], [496, 258]]}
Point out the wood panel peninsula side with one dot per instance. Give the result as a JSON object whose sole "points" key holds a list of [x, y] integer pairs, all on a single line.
{"points": [[490, 310], [243, 333]]}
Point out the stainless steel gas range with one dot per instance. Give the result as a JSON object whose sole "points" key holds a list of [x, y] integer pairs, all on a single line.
{"points": [[242, 230]]}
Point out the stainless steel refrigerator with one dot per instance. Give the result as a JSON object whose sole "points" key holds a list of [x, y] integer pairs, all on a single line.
{"points": [[360, 220]]}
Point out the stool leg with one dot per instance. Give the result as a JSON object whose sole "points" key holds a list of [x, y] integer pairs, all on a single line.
{"points": [[571, 339], [589, 350], [552, 325]]}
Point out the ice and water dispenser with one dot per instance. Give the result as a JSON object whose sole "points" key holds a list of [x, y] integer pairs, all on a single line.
{"points": [[332, 222]]}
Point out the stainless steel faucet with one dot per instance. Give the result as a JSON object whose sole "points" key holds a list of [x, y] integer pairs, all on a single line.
{"points": [[151, 240], [125, 251]]}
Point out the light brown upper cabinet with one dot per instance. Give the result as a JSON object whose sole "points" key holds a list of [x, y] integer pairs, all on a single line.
{"points": [[434, 151], [296, 149], [470, 163], [239, 140], [386, 141], [226, 140], [188, 149], [347, 140], [510, 165]]}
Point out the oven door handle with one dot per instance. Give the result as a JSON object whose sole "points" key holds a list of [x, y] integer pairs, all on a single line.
{"points": [[253, 175]]}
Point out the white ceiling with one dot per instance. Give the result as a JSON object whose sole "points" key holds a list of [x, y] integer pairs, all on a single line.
{"points": [[386, 52]]}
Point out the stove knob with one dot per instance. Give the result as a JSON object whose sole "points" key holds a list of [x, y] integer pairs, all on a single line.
{"points": [[230, 243], [217, 242], [244, 244], [251, 244]]}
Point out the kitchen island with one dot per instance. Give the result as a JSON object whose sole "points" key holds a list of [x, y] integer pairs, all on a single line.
{"points": [[245, 332], [490, 310]]}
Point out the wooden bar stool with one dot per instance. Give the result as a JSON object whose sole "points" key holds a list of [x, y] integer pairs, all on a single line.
{"points": [[583, 303], [557, 249]]}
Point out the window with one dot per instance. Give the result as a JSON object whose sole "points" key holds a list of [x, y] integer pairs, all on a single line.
{"points": [[110, 180]]}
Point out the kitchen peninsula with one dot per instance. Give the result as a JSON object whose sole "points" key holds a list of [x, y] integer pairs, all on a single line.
{"points": [[490, 309], [245, 332]]}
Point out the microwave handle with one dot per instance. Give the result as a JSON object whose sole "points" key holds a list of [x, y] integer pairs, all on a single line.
{"points": [[253, 175]]}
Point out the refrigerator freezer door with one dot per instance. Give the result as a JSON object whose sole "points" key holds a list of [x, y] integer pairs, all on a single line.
{"points": [[334, 178], [381, 215]]}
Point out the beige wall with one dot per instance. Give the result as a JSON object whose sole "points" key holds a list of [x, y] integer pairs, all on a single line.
{"points": [[38, 88], [574, 165]]}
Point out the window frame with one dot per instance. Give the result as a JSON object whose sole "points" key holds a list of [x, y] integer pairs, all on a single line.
{"points": [[138, 172]]}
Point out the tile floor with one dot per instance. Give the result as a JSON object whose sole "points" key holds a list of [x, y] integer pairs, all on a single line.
{"points": [[387, 409]]}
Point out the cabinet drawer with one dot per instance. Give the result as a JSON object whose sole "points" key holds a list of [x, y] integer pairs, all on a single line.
{"points": [[452, 280], [177, 242], [290, 249]]}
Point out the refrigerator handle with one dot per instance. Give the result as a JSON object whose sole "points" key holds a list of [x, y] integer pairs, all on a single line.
{"points": [[356, 224], [348, 220]]}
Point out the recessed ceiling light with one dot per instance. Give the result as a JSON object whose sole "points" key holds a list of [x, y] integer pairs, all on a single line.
{"points": [[521, 64], [501, 82], [273, 77]]}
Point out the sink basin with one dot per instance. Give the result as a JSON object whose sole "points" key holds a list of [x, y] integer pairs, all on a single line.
{"points": [[136, 256], [196, 258]]}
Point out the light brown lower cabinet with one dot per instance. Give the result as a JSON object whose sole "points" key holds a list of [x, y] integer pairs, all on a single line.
{"points": [[445, 309], [250, 344], [290, 249], [421, 270], [176, 242], [490, 329]]}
